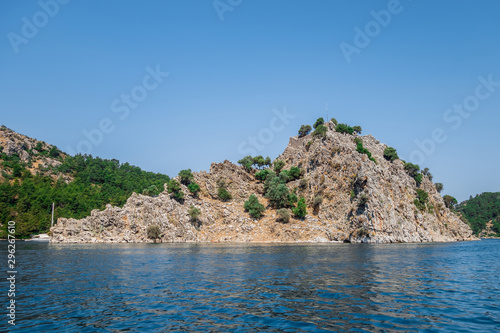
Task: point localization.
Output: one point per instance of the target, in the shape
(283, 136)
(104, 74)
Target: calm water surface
(445, 287)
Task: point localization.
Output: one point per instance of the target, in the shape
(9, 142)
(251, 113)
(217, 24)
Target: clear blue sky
(73, 67)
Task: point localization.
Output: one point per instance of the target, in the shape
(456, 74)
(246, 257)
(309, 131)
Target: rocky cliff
(362, 201)
(39, 157)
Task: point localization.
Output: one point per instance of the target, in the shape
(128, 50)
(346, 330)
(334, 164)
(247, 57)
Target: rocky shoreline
(362, 202)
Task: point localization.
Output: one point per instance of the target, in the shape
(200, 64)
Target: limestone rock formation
(362, 201)
(38, 162)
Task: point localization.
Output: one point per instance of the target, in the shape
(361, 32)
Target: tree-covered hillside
(480, 210)
(29, 185)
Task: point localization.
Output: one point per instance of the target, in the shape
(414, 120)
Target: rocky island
(352, 188)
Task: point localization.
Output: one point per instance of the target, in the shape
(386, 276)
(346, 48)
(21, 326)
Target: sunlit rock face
(362, 201)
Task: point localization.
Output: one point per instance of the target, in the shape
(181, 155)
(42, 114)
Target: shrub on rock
(254, 207)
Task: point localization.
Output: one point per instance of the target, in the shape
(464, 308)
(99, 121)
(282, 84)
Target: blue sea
(433, 287)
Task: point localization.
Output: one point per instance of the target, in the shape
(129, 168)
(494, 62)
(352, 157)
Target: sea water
(445, 287)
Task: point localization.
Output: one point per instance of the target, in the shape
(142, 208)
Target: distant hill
(483, 213)
(34, 174)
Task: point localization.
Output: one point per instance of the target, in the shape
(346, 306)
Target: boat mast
(52, 222)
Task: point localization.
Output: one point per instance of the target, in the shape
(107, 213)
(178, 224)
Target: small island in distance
(331, 184)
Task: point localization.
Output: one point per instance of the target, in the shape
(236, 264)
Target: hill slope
(483, 213)
(35, 174)
(353, 194)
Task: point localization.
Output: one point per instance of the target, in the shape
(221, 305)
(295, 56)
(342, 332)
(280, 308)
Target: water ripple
(451, 287)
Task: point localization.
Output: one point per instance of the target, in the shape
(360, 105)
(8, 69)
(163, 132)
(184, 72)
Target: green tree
(344, 128)
(254, 207)
(186, 176)
(285, 176)
(426, 172)
(301, 209)
(278, 194)
(54, 152)
(320, 130)
(259, 161)
(151, 190)
(411, 169)
(268, 161)
(194, 213)
(278, 165)
(174, 187)
(390, 154)
(262, 175)
(421, 200)
(357, 129)
(418, 179)
(291, 199)
(304, 130)
(295, 172)
(194, 188)
(95, 183)
(17, 170)
(223, 194)
(269, 180)
(334, 121)
(439, 187)
(362, 150)
(39, 146)
(319, 121)
(496, 228)
(480, 210)
(246, 162)
(449, 201)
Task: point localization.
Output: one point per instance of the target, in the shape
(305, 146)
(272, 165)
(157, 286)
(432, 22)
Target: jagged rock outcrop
(362, 201)
(12, 143)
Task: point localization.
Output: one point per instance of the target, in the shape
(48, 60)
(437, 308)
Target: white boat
(39, 238)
